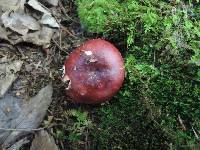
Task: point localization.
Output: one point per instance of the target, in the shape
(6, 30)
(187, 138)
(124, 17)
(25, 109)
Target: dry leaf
(12, 4)
(51, 2)
(19, 144)
(43, 141)
(4, 34)
(49, 20)
(8, 75)
(38, 6)
(19, 22)
(29, 116)
(42, 37)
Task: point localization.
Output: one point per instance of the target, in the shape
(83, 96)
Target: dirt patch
(42, 66)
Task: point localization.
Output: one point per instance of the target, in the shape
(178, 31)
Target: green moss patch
(158, 106)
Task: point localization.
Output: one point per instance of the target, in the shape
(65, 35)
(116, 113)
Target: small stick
(195, 133)
(181, 123)
(58, 45)
(26, 129)
(63, 28)
(21, 129)
(65, 13)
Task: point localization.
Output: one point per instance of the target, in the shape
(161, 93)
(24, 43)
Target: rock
(43, 141)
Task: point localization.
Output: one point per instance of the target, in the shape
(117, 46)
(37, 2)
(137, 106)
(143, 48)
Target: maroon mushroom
(94, 72)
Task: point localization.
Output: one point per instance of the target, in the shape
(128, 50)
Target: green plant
(80, 126)
(162, 61)
(97, 16)
(76, 128)
(157, 24)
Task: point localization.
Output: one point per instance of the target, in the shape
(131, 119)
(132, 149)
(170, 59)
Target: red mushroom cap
(95, 72)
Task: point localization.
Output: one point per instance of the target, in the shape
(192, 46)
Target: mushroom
(94, 72)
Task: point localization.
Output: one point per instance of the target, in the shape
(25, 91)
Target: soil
(42, 66)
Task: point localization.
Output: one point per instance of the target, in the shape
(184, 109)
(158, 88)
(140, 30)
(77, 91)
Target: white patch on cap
(88, 52)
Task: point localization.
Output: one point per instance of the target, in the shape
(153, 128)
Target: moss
(97, 12)
(124, 124)
(157, 107)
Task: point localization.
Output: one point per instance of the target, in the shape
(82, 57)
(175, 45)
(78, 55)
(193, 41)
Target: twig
(29, 130)
(60, 37)
(65, 13)
(181, 123)
(195, 133)
(21, 129)
(154, 57)
(58, 45)
(63, 28)
(62, 145)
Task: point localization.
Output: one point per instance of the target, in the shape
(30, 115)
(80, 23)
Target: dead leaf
(19, 22)
(5, 121)
(12, 5)
(4, 34)
(43, 141)
(8, 75)
(38, 6)
(51, 2)
(19, 144)
(47, 19)
(29, 117)
(42, 37)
